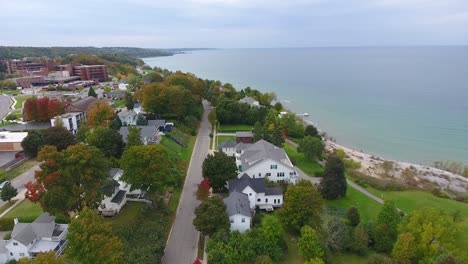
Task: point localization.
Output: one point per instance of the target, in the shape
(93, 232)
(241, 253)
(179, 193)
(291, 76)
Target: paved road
(315, 180)
(4, 105)
(182, 244)
(21, 180)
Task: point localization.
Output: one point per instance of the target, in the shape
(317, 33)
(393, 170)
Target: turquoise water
(408, 104)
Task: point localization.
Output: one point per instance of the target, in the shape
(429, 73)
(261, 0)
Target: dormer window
(273, 167)
(15, 244)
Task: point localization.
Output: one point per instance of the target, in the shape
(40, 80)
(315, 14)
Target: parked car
(3, 184)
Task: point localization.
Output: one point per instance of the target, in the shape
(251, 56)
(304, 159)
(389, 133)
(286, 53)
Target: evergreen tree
(129, 103)
(333, 184)
(353, 216)
(92, 93)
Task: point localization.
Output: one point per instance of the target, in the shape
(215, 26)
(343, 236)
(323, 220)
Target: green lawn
(309, 167)
(20, 100)
(9, 175)
(234, 128)
(368, 208)
(292, 256)
(221, 139)
(411, 200)
(127, 215)
(119, 103)
(25, 209)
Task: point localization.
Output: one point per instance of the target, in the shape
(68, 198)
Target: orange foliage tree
(100, 114)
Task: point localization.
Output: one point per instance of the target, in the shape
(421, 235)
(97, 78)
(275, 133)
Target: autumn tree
(203, 190)
(8, 192)
(309, 243)
(303, 206)
(219, 168)
(129, 103)
(100, 114)
(150, 168)
(29, 109)
(353, 216)
(42, 109)
(333, 184)
(133, 137)
(91, 240)
(312, 147)
(211, 216)
(386, 227)
(434, 231)
(59, 137)
(69, 180)
(404, 250)
(32, 143)
(108, 140)
(44, 258)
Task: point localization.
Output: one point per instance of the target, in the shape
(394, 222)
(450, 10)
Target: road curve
(182, 245)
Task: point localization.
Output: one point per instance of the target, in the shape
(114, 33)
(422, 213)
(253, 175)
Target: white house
(238, 210)
(228, 147)
(128, 117)
(250, 101)
(264, 159)
(29, 239)
(71, 121)
(118, 191)
(259, 195)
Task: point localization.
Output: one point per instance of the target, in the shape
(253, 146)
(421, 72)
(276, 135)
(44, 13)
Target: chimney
(15, 221)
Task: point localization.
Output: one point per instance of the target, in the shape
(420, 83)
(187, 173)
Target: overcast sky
(233, 23)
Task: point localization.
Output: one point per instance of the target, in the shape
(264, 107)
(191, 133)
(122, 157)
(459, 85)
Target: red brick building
(91, 72)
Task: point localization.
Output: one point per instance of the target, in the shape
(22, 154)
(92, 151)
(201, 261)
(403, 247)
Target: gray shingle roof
(146, 132)
(119, 197)
(248, 100)
(244, 134)
(157, 123)
(227, 144)
(43, 226)
(258, 184)
(84, 104)
(242, 146)
(237, 203)
(273, 191)
(113, 172)
(261, 151)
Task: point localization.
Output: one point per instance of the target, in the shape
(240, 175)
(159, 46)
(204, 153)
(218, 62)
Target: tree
(310, 130)
(360, 240)
(141, 120)
(338, 235)
(314, 261)
(81, 133)
(333, 184)
(150, 168)
(219, 168)
(386, 227)
(32, 143)
(7, 84)
(100, 114)
(133, 137)
(434, 231)
(309, 243)
(8, 192)
(59, 137)
(263, 260)
(268, 240)
(353, 216)
(404, 250)
(278, 107)
(312, 147)
(277, 138)
(69, 180)
(379, 259)
(303, 206)
(91, 92)
(44, 258)
(129, 103)
(91, 240)
(203, 190)
(211, 216)
(29, 109)
(291, 126)
(116, 123)
(108, 140)
(258, 131)
(197, 261)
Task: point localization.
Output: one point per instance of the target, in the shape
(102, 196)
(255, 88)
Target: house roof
(157, 123)
(113, 172)
(273, 191)
(227, 144)
(248, 100)
(258, 184)
(145, 132)
(263, 150)
(237, 203)
(84, 104)
(242, 146)
(119, 197)
(244, 134)
(25, 233)
(124, 113)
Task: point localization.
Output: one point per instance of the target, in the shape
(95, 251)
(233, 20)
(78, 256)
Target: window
(274, 201)
(11, 254)
(243, 220)
(259, 200)
(259, 174)
(273, 167)
(21, 254)
(15, 244)
(266, 200)
(250, 194)
(280, 174)
(268, 174)
(279, 201)
(232, 221)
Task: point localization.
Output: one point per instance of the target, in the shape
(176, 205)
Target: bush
(11, 117)
(438, 193)
(6, 224)
(7, 236)
(380, 184)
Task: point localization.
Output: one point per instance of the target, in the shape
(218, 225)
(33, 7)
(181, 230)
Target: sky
(233, 23)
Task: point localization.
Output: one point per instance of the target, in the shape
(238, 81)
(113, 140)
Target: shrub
(11, 117)
(7, 236)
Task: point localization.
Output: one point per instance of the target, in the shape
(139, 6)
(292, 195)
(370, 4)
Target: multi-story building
(91, 72)
(26, 67)
(28, 81)
(70, 121)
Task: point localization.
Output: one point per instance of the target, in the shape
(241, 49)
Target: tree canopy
(106, 139)
(309, 243)
(333, 184)
(100, 114)
(312, 147)
(219, 168)
(211, 216)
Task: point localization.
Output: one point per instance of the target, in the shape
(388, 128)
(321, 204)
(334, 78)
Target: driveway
(21, 180)
(4, 105)
(182, 244)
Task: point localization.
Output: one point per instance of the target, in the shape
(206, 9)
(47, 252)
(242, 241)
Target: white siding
(17, 249)
(262, 169)
(240, 223)
(231, 152)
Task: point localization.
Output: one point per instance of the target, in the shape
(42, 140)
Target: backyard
(234, 128)
(311, 168)
(221, 139)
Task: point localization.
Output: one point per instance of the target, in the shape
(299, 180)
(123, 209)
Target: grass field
(293, 256)
(119, 103)
(368, 208)
(127, 215)
(25, 209)
(309, 167)
(20, 100)
(221, 139)
(9, 175)
(234, 128)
